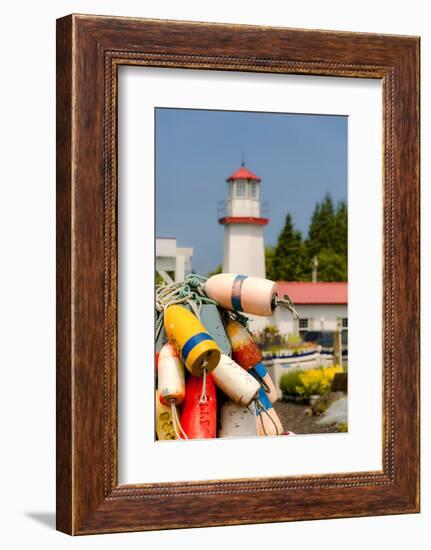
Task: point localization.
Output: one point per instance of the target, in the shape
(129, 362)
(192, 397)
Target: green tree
(287, 262)
(269, 260)
(322, 227)
(332, 266)
(327, 240)
(340, 234)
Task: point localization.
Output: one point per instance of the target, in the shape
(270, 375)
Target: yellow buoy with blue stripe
(195, 346)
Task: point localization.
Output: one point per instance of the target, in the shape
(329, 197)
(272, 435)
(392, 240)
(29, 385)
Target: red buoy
(199, 414)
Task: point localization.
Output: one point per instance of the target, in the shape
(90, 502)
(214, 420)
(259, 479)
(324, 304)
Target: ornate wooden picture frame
(89, 51)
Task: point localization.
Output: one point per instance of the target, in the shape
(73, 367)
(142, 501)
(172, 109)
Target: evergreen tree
(292, 259)
(332, 266)
(340, 235)
(322, 227)
(288, 256)
(327, 240)
(269, 259)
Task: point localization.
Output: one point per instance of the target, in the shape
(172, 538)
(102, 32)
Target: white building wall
(244, 250)
(321, 317)
(166, 247)
(170, 258)
(163, 263)
(243, 207)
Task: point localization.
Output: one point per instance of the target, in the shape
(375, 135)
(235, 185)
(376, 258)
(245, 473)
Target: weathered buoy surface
(234, 381)
(199, 417)
(170, 376)
(195, 346)
(237, 421)
(244, 349)
(211, 320)
(268, 422)
(252, 295)
(263, 374)
(164, 423)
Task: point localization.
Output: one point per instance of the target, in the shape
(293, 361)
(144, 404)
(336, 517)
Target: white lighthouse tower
(244, 250)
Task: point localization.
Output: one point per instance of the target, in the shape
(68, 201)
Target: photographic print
(251, 331)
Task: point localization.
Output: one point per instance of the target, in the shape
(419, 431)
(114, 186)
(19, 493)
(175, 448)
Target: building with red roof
(308, 293)
(321, 306)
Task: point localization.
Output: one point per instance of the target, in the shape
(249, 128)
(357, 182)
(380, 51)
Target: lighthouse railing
(224, 208)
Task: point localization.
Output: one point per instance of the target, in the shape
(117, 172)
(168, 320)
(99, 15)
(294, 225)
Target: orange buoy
(252, 295)
(234, 381)
(170, 377)
(237, 421)
(164, 421)
(244, 349)
(199, 414)
(195, 346)
(268, 422)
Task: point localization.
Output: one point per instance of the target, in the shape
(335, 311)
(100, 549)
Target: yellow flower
(311, 381)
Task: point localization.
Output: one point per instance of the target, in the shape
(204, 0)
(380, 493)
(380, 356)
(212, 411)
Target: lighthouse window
(240, 188)
(253, 190)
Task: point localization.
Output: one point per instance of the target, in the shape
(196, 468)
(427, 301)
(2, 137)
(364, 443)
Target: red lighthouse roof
(243, 173)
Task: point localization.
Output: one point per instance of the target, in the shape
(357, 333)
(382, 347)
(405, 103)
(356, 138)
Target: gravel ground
(295, 419)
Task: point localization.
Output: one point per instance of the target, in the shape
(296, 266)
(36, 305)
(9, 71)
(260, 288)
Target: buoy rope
(235, 316)
(260, 406)
(176, 422)
(203, 398)
(261, 381)
(287, 303)
(190, 292)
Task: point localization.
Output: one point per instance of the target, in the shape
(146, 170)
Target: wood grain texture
(90, 49)
(64, 497)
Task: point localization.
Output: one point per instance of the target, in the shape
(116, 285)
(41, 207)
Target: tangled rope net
(191, 293)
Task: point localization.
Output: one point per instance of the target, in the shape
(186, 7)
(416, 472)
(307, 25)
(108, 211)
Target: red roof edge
(307, 292)
(243, 173)
(228, 220)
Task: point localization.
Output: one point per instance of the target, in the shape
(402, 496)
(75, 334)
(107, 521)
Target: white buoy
(234, 381)
(252, 295)
(170, 375)
(237, 421)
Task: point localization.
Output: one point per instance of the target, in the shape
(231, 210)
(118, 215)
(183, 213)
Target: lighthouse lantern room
(244, 250)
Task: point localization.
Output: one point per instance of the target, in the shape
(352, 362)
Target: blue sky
(298, 157)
